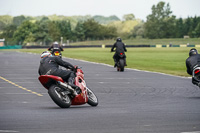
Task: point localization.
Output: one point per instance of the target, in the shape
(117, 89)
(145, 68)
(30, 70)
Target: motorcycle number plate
(57, 54)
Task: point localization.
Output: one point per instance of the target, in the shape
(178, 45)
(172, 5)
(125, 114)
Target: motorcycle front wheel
(92, 98)
(59, 96)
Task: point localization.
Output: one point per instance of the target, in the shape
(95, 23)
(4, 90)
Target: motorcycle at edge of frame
(64, 95)
(196, 74)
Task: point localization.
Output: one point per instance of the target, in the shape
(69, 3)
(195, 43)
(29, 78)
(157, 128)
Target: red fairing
(80, 99)
(45, 79)
(79, 81)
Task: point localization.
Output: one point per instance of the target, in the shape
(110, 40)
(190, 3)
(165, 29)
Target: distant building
(2, 42)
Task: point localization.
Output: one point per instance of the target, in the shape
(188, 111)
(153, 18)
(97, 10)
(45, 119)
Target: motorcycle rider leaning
(120, 48)
(191, 62)
(49, 65)
(55, 47)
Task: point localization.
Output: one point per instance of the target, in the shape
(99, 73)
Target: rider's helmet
(55, 43)
(193, 51)
(119, 39)
(45, 54)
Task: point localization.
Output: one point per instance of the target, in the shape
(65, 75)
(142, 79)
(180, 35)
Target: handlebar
(76, 67)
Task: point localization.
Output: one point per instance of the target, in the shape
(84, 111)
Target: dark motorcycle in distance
(64, 95)
(56, 52)
(120, 62)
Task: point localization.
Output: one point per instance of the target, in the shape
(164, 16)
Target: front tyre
(92, 99)
(59, 97)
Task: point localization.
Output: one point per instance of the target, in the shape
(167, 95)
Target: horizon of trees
(161, 23)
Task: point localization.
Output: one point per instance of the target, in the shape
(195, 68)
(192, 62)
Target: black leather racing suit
(50, 66)
(120, 48)
(191, 62)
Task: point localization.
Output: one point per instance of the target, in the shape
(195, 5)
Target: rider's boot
(71, 83)
(115, 62)
(125, 62)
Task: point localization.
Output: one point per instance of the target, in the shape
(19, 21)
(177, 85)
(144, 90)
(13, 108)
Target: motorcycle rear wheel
(59, 97)
(121, 62)
(92, 98)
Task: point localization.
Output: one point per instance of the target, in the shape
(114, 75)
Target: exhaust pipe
(68, 87)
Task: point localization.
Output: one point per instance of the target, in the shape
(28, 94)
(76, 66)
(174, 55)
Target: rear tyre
(121, 63)
(92, 99)
(59, 97)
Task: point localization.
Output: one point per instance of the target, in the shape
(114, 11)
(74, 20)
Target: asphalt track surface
(129, 102)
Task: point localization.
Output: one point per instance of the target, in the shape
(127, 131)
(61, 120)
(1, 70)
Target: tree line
(45, 31)
(161, 23)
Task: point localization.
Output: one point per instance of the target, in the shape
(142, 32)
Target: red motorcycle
(64, 95)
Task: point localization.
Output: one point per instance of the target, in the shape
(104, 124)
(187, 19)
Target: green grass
(175, 41)
(165, 60)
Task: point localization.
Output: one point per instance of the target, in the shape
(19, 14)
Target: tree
(24, 31)
(129, 17)
(91, 28)
(8, 33)
(187, 26)
(65, 29)
(197, 30)
(41, 34)
(138, 31)
(179, 28)
(160, 24)
(125, 28)
(2, 25)
(54, 31)
(29, 38)
(80, 31)
(191, 24)
(18, 20)
(95, 31)
(5, 20)
(105, 20)
(109, 32)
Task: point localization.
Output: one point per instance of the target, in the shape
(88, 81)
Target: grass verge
(174, 41)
